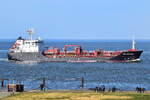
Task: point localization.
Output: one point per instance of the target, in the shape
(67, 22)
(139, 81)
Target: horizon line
(83, 39)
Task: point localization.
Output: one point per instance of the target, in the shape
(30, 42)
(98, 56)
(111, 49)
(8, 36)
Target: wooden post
(2, 83)
(44, 82)
(42, 86)
(82, 82)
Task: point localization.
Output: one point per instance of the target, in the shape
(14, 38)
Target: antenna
(133, 42)
(30, 31)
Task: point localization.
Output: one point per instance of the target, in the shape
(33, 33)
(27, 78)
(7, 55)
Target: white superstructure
(26, 45)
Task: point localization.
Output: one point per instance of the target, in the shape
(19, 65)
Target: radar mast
(30, 31)
(133, 42)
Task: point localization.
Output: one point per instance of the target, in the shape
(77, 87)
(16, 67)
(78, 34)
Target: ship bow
(128, 56)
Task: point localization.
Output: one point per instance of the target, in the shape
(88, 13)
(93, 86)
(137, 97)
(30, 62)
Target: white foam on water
(27, 62)
(3, 59)
(3, 50)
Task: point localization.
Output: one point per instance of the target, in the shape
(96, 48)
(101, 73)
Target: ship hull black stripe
(128, 55)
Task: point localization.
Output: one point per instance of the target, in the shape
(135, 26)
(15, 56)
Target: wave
(3, 50)
(27, 62)
(3, 59)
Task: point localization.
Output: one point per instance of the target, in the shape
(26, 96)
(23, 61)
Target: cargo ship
(29, 50)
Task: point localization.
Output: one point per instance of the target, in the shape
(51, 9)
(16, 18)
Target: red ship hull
(79, 55)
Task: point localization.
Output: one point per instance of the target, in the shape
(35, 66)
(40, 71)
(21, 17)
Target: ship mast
(30, 31)
(133, 43)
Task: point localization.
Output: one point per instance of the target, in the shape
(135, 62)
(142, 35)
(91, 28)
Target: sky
(75, 19)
